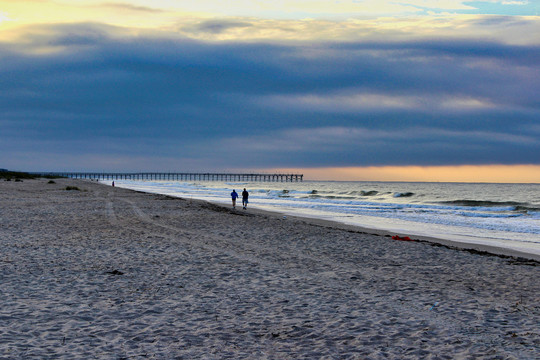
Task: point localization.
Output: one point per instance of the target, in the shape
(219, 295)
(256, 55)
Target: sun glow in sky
(462, 173)
(419, 17)
(415, 90)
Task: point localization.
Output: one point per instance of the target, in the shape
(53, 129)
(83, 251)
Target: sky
(418, 90)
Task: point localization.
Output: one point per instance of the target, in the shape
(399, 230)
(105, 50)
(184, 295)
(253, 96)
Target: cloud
(348, 146)
(367, 101)
(216, 26)
(4, 17)
(130, 7)
(515, 3)
(101, 93)
(323, 9)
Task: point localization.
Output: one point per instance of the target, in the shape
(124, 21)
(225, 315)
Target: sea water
(502, 215)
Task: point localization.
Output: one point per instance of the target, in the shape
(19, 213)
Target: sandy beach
(107, 273)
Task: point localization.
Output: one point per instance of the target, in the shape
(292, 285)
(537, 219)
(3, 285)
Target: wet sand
(110, 273)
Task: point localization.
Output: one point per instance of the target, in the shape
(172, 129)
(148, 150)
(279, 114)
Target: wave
(527, 209)
(406, 194)
(284, 194)
(330, 197)
(361, 193)
(488, 215)
(486, 203)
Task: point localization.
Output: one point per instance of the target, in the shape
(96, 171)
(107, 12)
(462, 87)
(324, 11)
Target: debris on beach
(115, 272)
(404, 238)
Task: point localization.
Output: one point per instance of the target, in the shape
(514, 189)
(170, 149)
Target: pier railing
(179, 176)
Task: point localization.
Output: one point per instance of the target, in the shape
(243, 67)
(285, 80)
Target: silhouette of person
(245, 196)
(234, 196)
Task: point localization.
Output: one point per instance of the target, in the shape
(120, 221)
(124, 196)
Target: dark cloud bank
(80, 97)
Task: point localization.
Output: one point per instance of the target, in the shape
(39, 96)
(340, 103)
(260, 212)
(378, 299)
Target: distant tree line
(18, 175)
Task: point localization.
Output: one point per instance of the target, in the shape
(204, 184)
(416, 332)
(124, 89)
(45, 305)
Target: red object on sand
(405, 238)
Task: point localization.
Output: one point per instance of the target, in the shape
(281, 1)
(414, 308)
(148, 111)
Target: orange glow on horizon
(462, 173)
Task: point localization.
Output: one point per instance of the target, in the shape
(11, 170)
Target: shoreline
(92, 271)
(452, 244)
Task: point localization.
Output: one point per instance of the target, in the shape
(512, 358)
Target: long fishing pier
(179, 176)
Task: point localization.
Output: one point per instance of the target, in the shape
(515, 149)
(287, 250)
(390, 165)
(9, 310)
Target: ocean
(502, 215)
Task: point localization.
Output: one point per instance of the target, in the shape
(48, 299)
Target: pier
(174, 176)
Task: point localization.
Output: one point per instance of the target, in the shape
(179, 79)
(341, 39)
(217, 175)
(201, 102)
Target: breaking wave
(405, 194)
(481, 203)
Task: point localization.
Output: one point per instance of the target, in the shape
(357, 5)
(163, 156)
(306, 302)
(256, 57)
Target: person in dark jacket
(245, 196)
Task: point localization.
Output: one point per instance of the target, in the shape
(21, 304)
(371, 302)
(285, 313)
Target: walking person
(245, 196)
(234, 196)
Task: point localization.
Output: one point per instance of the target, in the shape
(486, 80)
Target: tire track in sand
(303, 265)
(328, 271)
(191, 237)
(109, 208)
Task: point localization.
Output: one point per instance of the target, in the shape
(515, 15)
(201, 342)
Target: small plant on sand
(51, 182)
(72, 188)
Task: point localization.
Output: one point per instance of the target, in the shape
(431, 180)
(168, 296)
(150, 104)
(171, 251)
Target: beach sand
(109, 273)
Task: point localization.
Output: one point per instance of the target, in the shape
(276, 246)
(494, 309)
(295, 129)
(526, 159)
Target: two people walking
(245, 196)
